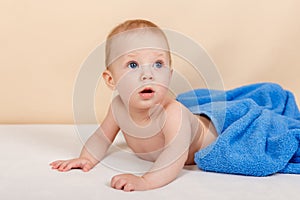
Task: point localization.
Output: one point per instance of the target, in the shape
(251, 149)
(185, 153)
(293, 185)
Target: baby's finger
(68, 167)
(114, 180)
(55, 164)
(63, 166)
(86, 167)
(120, 184)
(128, 187)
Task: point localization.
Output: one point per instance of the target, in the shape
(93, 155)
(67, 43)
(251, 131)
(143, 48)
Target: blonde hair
(131, 25)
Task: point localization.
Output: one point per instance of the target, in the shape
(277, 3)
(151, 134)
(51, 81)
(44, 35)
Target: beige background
(44, 43)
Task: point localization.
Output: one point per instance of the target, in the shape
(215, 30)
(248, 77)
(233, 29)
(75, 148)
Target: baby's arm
(177, 131)
(94, 149)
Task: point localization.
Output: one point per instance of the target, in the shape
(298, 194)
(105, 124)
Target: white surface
(26, 151)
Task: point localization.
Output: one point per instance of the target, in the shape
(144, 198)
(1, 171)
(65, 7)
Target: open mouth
(147, 93)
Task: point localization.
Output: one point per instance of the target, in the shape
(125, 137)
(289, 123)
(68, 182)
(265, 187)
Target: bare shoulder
(177, 116)
(174, 109)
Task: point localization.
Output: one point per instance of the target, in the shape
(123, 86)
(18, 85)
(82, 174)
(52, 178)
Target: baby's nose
(146, 73)
(146, 77)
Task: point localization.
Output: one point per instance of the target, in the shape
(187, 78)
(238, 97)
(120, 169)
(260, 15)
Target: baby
(155, 126)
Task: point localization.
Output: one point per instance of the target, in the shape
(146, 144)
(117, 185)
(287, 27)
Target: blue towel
(258, 129)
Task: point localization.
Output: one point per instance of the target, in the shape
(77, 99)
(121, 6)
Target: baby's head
(138, 58)
(133, 35)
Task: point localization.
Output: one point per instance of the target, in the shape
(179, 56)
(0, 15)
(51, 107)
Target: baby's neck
(145, 116)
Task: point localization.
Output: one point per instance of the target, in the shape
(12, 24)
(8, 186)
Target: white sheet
(26, 151)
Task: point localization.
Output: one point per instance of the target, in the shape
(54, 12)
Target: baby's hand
(77, 163)
(128, 182)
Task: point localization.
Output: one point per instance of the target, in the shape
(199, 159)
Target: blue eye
(158, 64)
(133, 65)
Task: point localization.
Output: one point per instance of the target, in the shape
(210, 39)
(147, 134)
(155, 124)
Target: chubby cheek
(131, 82)
(126, 86)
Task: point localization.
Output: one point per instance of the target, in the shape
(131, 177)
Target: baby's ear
(107, 76)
